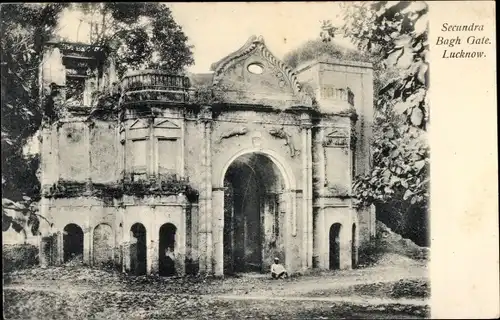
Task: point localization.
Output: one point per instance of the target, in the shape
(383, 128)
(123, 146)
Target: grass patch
(405, 288)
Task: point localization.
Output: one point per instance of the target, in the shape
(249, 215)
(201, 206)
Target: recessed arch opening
(138, 249)
(167, 252)
(73, 243)
(254, 213)
(335, 246)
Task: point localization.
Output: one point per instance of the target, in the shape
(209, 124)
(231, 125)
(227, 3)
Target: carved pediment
(165, 124)
(140, 124)
(253, 75)
(337, 137)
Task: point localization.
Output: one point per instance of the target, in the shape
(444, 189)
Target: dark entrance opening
(354, 248)
(138, 249)
(253, 214)
(166, 250)
(335, 246)
(73, 242)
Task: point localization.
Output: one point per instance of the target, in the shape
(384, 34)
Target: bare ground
(84, 293)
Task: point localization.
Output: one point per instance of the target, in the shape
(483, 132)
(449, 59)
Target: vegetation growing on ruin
(164, 184)
(25, 28)
(139, 35)
(394, 36)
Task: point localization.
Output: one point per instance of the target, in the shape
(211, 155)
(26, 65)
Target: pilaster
(205, 200)
(307, 214)
(218, 230)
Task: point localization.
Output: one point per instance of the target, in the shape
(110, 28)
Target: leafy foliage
(25, 28)
(317, 48)
(397, 33)
(400, 163)
(394, 35)
(16, 257)
(143, 35)
(140, 35)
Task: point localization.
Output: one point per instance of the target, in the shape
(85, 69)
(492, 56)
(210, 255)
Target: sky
(217, 29)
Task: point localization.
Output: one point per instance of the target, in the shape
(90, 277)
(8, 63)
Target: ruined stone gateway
(153, 175)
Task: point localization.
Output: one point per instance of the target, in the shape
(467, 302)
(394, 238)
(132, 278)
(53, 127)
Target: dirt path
(356, 300)
(329, 281)
(334, 283)
(86, 293)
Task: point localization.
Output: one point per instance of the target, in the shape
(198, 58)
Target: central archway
(254, 213)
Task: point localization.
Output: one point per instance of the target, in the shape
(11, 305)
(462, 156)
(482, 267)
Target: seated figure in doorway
(277, 270)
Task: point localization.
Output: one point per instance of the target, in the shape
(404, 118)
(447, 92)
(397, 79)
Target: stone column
(54, 166)
(153, 238)
(46, 157)
(151, 168)
(304, 198)
(202, 241)
(345, 248)
(218, 230)
(307, 222)
(181, 244)
(45, 230)
(59, 247)
(287, 234)
(86, 133)
(205, 223)
(309, 200)
(87, 243)
(126, 250)
(121, 151)
(321, 234)
(44, 251)
(208, 139)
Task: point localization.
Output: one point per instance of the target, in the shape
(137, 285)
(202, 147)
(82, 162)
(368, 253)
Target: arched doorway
(167, 250)
(254, 213)
(102, 244)
(73, 242)
(138, 249)
(354, 248)
(335, 246)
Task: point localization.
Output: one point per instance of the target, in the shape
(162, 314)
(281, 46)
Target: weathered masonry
(158, 173)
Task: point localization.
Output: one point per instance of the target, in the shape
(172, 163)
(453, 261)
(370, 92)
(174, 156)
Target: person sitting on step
(277, 270)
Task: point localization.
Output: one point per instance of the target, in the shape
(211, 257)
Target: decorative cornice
(220, 66)
(288, 72)
(257, 43)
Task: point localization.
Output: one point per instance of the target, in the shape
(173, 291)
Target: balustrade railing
(334, 93)
(154, 80)
(154, 85)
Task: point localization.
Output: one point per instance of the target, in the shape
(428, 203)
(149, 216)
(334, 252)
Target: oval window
(255, 68)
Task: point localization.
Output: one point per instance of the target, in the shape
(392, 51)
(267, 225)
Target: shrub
(370, 252)
(19, 256)
(407, 288)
